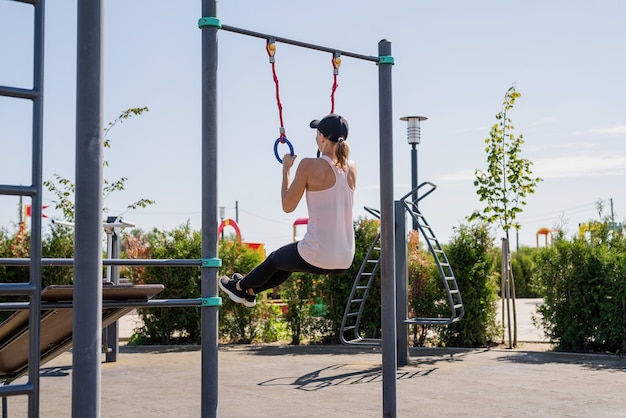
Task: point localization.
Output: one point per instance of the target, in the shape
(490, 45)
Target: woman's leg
(277, 268)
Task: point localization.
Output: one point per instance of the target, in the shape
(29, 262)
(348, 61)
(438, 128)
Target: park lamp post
(222, 216)
(413, 138)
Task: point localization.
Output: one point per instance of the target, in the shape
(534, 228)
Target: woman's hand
(288, 161)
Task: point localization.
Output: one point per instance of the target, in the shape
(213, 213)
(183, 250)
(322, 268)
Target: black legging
(278, 267)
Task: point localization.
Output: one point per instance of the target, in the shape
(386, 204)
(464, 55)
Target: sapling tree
(506, 183)
(508, 180)
(64, 188)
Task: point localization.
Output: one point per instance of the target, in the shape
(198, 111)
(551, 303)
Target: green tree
(508, 179)
(505, 185)
(63, 188)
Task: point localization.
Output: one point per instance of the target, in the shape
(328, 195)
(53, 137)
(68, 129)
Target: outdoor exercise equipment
(547, 233)
(270, 47)
(296, 223)
(88, 262)
(336, 61)
(351, 321)
(255, 246)
(56, 324)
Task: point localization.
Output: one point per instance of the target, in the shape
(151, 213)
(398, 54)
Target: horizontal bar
(18, 93)
(150, 262)
(298, 43)
(153, 303)
(17, 288)
(7, 189)
(106, 262)
(15, 389)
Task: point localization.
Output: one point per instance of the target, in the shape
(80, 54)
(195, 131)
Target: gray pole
(35, 238)
(387, 227)
(111, 334)
(87, 316)
(402, 287)
(209, 317)
(414, 178)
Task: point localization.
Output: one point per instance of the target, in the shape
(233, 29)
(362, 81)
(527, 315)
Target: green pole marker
(212, 301)
(211, 262)
(385, 59)
(209, 21)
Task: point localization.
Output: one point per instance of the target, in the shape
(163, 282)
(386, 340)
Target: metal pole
(107, 262)
(111, 333)
(87, 315)
(402, 273)
(34, 340)
(387, 227)
(209, 315)
(414, 176)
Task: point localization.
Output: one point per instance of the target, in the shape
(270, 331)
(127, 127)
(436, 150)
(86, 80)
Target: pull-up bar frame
(86, 376)
(214, 22)
(210, 25)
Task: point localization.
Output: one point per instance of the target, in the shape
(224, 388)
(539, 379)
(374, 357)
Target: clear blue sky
(454, 62)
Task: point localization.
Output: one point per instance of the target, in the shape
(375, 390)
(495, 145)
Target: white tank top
(329, 239)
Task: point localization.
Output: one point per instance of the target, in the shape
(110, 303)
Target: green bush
(237, 323)
(426, 292)
(172, 325)
(473, 259)
(523, 264)
(305, 313)
(9, 248)
(14, 246)
(58, 244)
(584, 295)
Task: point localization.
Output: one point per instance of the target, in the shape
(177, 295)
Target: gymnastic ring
(286, 141)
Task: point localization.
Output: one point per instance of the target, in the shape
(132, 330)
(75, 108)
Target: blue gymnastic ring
(286, 141)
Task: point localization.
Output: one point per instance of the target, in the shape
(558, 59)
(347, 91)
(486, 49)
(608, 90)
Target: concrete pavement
(340, 381)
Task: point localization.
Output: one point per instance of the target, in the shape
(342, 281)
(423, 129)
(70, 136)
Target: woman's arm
(292, 193)
(352, 175)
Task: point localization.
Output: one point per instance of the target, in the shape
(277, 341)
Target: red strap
(271, 50)
(336, 63)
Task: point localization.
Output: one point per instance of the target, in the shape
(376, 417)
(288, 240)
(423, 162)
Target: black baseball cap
(333, 127)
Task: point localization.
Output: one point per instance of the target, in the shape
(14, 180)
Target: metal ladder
(349, 332)
(32, 289)
(455, 303)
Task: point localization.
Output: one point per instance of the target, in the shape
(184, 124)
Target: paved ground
(339, 381)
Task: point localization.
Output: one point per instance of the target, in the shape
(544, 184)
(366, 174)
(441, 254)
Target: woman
(328, 244)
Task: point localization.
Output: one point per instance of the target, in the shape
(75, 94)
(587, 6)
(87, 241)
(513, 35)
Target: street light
(222, 216)
(413, 138)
